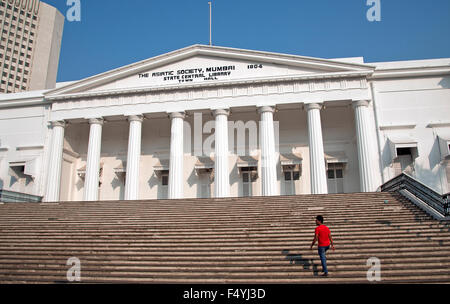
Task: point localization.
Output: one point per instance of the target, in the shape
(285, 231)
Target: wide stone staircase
(236, 240)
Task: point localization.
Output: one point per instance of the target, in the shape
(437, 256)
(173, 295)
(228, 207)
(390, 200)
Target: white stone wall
(23, 138)
(408, 107)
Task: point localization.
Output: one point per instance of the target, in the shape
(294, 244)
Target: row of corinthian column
(221, 167)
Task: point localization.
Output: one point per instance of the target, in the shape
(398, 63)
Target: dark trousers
(323, 257)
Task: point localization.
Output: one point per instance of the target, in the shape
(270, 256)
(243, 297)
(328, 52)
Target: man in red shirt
(323, 236)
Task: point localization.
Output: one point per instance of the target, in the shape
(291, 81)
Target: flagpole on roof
(210, 23)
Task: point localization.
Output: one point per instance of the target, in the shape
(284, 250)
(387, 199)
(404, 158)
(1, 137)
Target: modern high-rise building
(30, 43)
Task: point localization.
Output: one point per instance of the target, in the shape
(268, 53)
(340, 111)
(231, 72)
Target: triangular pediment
(198, 64)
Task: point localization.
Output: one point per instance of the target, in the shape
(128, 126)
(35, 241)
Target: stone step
(430, 234)
(295, 259)
(303, 268)
(229, 275)
(224, 243)
(275, 251)
(415, 279)
(406, 226)
(51, 222)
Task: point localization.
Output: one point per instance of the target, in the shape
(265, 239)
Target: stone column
(268, 154)
(221, 171)
(367, 165)
(133, 158)
(91, 181)
(55, 162)
(176, 172)
(316, 151)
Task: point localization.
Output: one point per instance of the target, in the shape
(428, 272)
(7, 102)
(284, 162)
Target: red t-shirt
(323, 233)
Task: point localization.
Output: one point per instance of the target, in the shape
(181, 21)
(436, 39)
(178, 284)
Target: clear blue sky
(113, 33)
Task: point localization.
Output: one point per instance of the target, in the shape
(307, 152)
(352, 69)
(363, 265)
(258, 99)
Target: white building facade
(207, 121)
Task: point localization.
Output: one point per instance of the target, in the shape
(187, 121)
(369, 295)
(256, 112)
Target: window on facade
(204, 186)
(165, 180)
(335, 175)
(18, 176)
(290, 177)
(249, 176)
(404, 161)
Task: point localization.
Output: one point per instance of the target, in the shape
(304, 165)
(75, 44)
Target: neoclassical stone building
(208, 121)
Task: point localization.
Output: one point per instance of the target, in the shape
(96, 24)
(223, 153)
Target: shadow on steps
(297, 259)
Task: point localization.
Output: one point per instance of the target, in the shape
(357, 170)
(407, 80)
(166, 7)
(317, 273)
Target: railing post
(446, 204)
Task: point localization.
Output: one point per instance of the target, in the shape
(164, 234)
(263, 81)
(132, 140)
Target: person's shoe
(324, 274)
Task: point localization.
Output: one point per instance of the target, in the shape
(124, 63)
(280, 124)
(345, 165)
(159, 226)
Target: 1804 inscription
(204, 74)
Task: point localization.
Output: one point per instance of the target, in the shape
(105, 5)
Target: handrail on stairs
(434, 200)
(7, 196)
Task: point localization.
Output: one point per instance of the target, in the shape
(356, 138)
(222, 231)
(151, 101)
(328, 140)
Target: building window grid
(8, 49)
(12, 70)
(29, 21)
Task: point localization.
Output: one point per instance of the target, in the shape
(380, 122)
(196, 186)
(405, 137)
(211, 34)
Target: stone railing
(16, 197)
(439, 203)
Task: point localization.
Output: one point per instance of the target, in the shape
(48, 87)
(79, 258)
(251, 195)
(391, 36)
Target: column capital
(58, 123)
(217, 112)
(360, 103)
(313, 106)
(96, 121)
(139, 118)
(173, 115)
(265, 109)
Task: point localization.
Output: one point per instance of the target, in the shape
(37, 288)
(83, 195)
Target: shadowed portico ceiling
(279, 67)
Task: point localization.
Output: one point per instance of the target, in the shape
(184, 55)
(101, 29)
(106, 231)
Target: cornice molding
(25, 102)
(410, 72)
(398, 127)
(439, 124)
(217, 85)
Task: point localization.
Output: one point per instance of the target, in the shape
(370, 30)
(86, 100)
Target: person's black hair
(320, 218)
